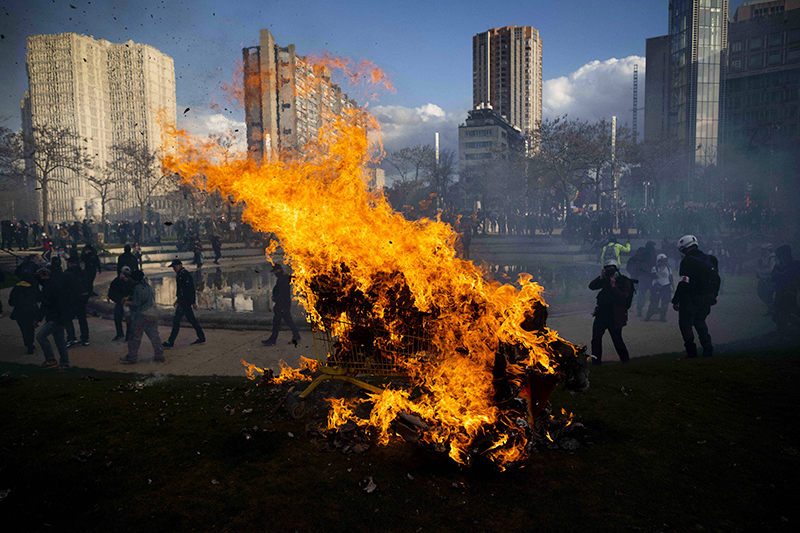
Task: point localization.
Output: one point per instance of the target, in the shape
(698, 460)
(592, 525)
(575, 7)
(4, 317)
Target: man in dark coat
(75, 285)
(24, 298)
(696, 292)
(121, 288)
(185, 305)
(785, 281)
(91, 267)
(282, 305)
(55, 311)
(611, 312)
(216, 245)
(127, 259)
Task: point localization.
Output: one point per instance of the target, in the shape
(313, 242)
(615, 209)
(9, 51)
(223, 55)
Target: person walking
(697, 291)
(118, 290)
(282, 306)
(661, 290)
(142, 305)
(185, 305)
(24, 298)
(55, 311)
(216, 245)
(613, 249)
(91, 267)
(611, 312)
(75, 285)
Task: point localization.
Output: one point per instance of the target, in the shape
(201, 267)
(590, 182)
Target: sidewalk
(736, 324)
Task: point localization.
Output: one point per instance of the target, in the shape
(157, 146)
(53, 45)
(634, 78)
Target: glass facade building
(698, 41)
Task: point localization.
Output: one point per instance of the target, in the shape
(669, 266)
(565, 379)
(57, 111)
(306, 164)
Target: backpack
(709, 280)
(629, 300)
(609, 253)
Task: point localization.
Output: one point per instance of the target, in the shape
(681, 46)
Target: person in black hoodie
(119, 289)
(75, 285)
(24, 298)
(91, 267)
(127, 259)
(282, 306)
(55, 311)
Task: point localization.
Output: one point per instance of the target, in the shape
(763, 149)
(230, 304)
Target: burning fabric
(392, 294)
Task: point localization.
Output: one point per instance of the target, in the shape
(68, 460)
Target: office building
(763, 80)
(106, 93)
(487, 136)
(287, 98)
(507, 74)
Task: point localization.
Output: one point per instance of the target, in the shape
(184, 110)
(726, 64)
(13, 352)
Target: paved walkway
(737, 323)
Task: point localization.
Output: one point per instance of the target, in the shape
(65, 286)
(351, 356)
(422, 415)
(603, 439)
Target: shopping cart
(350, 346)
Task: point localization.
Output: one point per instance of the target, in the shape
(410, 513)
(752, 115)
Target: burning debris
(390, 297)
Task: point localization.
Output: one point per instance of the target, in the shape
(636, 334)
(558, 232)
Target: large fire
(358, 265)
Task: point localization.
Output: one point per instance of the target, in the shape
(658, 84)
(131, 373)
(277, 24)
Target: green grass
(670, 445)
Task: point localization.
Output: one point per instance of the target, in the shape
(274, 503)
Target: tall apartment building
(107, 93)
(287, 98)
(763, 80)
(507, 74)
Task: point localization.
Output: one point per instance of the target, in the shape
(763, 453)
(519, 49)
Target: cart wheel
(298, 410)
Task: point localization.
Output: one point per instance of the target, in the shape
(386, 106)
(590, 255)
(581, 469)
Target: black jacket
(127, 259)
(90, 262)
(24, 298)
(55, 306)
(186, 293)
(119, 289)
(282, 292)
(692, 284)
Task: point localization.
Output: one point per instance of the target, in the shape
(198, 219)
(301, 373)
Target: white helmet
(659, 257)
(686, 241)
(611, 262)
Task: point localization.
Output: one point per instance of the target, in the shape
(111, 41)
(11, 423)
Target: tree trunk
(45, 209)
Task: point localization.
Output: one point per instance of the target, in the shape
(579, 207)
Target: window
(774, 58)
(754, 61)
(775, 39)
(736, 47)
(755, 43)
(793, 55)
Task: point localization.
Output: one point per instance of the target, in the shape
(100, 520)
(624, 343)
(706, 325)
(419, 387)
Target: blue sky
(589, 49)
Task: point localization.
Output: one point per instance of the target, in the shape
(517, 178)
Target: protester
(282, 306)
(24, 298)
(696, 292)
(126, 259)
(91, 267)
(216, 245)
(75, 285)
(613, 249)
(137, 253)
(611, 312)
(55, 310)
(785, 279)
(27, 266)
(185, 305)
(142, 305)
(118, 290)
(661, 290)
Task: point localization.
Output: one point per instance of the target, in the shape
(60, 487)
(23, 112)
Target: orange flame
(332, 228)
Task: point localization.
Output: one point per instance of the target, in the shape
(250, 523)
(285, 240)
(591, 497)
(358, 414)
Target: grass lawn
(671, 445)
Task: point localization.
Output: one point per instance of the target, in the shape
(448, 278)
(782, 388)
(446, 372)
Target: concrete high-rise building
(487, 136)
(287, 98)
(507, 74)
(106, 93)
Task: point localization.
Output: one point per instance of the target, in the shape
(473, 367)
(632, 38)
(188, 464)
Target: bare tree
(140, 168)
(42, 155)
(105, 182)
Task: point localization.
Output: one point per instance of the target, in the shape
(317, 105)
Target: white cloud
(597, 90)
(203, 124)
